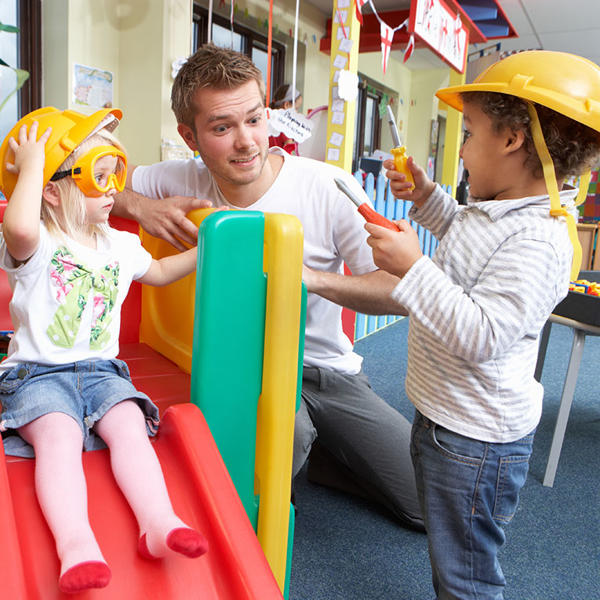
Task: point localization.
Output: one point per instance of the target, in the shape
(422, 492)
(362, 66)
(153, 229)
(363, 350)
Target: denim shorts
(84, 390)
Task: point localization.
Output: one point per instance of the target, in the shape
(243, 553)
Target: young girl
(61, 385)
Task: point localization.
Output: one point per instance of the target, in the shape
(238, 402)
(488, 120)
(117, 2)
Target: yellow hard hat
(69, 129)
(563, 82)
(566, 83)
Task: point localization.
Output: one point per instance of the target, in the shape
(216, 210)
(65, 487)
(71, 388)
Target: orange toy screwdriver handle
(374, 217)
(370, 215)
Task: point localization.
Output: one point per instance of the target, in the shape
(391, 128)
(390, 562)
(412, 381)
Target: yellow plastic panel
(276, 412)
(167, 323)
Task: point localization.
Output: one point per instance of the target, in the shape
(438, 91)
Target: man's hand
(163, 218)
(400, 187)
(166, 219)
(394, 252)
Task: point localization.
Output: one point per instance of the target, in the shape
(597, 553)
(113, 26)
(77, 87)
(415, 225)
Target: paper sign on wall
(346, 45)
(337, 118)
(348, 85)
(340, 61)
(92, 87)
(333, 154)
(337, 105)
(290, 122)
(336, 139)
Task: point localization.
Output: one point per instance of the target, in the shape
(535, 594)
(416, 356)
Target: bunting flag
(409, 48)
(387, 34)
(359, 5)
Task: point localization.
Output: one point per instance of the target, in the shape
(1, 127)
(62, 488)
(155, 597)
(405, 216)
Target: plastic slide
(201, 489)
(202, 492)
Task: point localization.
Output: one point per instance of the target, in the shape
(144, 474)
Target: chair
(581, 329)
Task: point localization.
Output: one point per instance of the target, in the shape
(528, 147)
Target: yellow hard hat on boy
(565, 83)
(69, 129)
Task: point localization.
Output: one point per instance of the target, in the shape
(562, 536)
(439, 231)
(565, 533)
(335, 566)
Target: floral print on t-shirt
(74, 283)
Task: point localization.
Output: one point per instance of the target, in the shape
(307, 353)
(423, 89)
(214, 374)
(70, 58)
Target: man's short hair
(211, 67)
(574, 147)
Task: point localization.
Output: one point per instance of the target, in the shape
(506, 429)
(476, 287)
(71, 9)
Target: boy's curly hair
(574, 147)
(215, 67)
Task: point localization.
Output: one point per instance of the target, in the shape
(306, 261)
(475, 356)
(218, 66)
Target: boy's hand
(29, 152)
(401, 187)
(394, 252)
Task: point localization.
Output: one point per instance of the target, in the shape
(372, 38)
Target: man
(218, 99)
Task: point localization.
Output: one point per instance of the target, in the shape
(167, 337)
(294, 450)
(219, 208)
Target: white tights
(61, 489)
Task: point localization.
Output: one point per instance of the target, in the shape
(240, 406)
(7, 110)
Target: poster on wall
(92, 87)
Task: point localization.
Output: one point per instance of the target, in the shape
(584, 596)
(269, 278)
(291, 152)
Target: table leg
(539, 365)
(565, 406)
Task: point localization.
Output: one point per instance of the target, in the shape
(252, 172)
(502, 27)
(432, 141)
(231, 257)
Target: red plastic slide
(203, 495)
(201, 490)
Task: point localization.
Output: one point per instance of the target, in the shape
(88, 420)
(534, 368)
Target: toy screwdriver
(364, 209)
(399, 151)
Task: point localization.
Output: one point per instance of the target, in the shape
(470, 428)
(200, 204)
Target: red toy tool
(364, 209)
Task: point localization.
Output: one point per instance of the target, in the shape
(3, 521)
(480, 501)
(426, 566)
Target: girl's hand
(400, 187)
(29, 152)
(394, 252)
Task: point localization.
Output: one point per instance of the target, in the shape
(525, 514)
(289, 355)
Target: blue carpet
(346, 548)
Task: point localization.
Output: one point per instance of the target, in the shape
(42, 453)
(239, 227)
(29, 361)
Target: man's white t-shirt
(333, 234)
(66, 302)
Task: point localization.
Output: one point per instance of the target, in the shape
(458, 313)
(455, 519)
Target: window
(367, 128)
(21, 50)
(242, 39)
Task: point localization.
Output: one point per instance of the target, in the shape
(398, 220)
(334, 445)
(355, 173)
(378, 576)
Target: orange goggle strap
(82, 171)
(556, 210)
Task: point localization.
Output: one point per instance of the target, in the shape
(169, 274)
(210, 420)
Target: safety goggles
(95, 181)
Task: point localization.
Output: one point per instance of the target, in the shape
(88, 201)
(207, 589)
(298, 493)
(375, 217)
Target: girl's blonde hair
(70, 218)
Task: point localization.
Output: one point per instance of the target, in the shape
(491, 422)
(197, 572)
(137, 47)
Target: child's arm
(170, 268)
(21, 225)
(401, 187)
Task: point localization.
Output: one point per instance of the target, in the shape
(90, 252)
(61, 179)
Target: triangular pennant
(387, 34)
(409, 48)
(359, 5)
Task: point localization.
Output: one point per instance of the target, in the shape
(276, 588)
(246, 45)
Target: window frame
(368, 88)
(29, 21)
(251, 39)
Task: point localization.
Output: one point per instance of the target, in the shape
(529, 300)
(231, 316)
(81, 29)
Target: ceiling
(567, 26)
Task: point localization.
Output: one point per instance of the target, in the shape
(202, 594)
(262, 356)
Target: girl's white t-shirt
(67, 298)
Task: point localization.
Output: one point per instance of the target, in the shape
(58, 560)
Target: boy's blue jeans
(467, 489)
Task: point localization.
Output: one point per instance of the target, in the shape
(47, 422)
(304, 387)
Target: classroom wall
(423, 109)
(138, 41)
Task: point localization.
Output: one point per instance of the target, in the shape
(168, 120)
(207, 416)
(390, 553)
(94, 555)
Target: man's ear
(51, 194)
(187, 133)
(514, 140)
